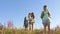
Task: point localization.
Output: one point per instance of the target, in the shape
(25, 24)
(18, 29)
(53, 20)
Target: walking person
(25, 23)
(32, 20)
(29, 20)
(45, 15)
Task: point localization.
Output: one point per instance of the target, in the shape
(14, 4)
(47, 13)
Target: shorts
(46, 21)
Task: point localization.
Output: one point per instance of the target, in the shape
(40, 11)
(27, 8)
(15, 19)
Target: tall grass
(22, 31)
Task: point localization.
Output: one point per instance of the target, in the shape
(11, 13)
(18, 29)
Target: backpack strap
(42, 14)
(49, 14)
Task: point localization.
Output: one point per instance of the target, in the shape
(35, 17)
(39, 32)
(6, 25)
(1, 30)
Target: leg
(32, 27)
(44, 28)
(29, 26)
(49, 28)
(25, 27)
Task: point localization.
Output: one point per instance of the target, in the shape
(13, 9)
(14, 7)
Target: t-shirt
(29, 18)
(45, 17)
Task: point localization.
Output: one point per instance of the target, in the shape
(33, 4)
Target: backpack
(26, 23)
(42, 15)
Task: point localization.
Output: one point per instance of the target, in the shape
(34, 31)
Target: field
(22, 31)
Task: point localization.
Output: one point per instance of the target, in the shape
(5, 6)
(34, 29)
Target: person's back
(25, 23)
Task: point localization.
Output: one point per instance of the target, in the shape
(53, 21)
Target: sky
(16, 10)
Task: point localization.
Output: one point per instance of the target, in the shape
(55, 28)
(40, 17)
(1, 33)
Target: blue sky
(16, 10)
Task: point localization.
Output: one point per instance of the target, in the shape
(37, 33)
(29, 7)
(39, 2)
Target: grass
(22, 31)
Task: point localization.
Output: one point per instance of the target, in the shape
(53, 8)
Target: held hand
(49, 17)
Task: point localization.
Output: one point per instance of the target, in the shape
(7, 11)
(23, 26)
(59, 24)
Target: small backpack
(42, 15)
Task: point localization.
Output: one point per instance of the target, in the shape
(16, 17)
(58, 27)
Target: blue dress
(26, 23)
(45, 17)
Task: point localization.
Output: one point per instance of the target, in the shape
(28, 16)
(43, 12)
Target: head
(29, 13)
(32, 15)
(45, 7)
(25, 19)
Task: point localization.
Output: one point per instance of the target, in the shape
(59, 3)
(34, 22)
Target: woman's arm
(49, 15)
(42, 14)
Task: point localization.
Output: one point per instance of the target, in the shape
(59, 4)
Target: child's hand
(49, 17)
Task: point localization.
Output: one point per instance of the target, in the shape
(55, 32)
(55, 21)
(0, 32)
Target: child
(45, 19)
(32, 20)
(25, 23)
(29, 20)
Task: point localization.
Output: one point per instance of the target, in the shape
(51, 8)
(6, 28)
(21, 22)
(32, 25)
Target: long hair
(32, 15)
(25, 19)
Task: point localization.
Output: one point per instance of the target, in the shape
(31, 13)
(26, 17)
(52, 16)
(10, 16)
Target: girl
(29, 20)
(32, 20)
(45, 19)
(25, 23)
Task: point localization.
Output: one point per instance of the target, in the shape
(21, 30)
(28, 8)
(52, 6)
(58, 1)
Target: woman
(32, 20)
(25, 23)
(29, 20)
(45, 19)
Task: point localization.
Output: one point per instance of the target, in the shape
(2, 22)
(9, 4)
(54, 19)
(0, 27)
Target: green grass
(22, 31)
